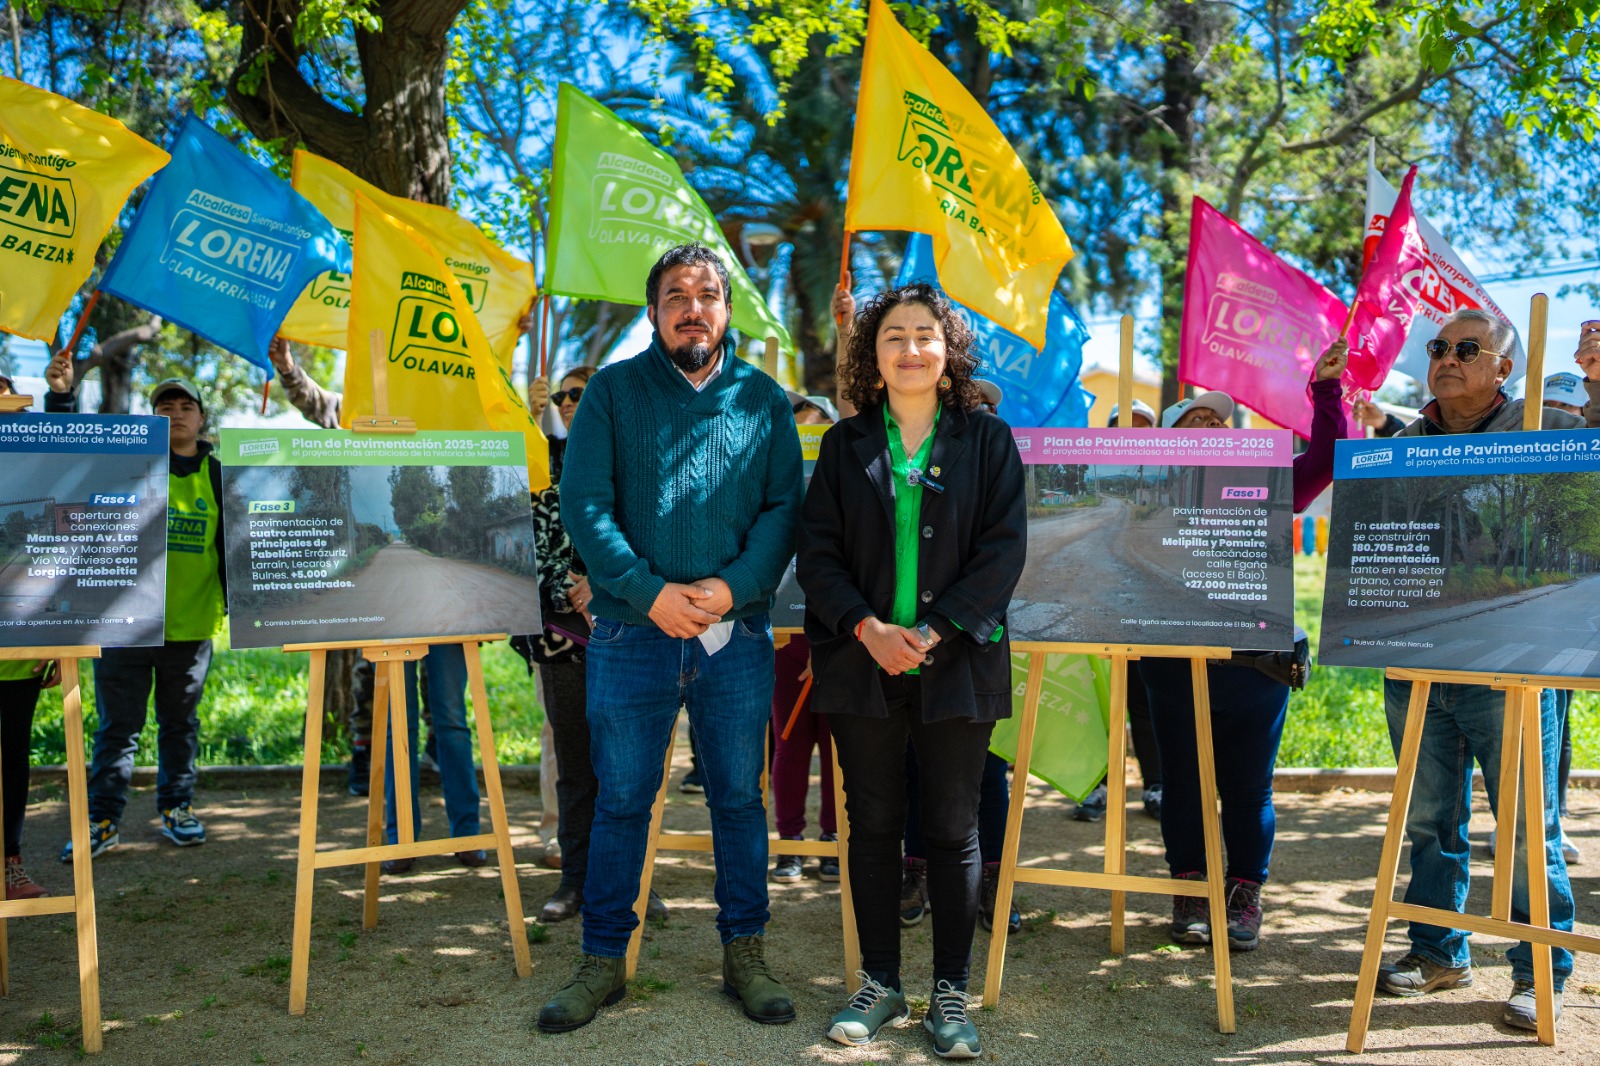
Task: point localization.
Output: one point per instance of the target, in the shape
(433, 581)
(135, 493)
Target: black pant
(1144, 732)
(122, 681)
(994, 803)
(17, 701)
(950, 757)
(566, 697)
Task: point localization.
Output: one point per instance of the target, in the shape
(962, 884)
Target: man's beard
(691, 358)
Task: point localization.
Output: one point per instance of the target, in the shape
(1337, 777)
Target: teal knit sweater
(662, 483)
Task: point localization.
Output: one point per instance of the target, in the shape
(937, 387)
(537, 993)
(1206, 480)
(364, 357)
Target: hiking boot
(1244, 914)
(1191, 915)
(1152, 802)
(102, 838)
(18, 884)
(566, 903)
(655, 909)
(1093, 807)
(746, 977)
(954, 1035)
(598, 983)
(787, 869)
(986, 895)
(914, 891)
(179, 825)
(871, 1008)
(828, 865)
(1412, 975)
(1522, 1008)
(360, 770)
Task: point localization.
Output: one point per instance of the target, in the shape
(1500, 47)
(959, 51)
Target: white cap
(990, 391)
(1139, 408)
(1218, 402)
(1565, 388)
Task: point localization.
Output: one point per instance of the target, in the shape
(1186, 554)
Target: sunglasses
(574, 393)
(1466, 351)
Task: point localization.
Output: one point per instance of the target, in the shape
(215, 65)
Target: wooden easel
(674, 840)
(1115, 878)
(389, 715)
(81, 903)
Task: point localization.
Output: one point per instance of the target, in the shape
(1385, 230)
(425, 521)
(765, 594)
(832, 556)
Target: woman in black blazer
(912, 538)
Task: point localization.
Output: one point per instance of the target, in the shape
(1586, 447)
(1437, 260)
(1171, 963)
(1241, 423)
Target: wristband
(859, 626)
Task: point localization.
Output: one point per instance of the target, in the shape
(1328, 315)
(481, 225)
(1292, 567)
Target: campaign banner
(83, 530)
(789, 604)
(337, 536)
(1159, 536)
(1475, 552)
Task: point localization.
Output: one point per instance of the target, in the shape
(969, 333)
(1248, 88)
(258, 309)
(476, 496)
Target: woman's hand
(1369, 414)
(844, 308)
(1588, 353)
(538, 396)
(578, 593)
(1333, 361)
(895, 648)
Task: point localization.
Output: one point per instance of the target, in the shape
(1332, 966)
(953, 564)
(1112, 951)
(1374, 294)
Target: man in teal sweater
(681, 493)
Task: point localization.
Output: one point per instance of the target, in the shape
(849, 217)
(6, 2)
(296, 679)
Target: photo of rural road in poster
(343, 536)
(1475, 552)
(1172, 537)
(83, 530)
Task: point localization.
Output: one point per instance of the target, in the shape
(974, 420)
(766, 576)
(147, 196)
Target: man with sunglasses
(1468, 364)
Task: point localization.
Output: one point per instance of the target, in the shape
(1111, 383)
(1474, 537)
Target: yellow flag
(498, 285)
(926, 158)
(440, 369)
(65, 172)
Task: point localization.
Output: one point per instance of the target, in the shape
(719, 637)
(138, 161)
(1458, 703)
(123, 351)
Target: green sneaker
(745, 977)
(598, 983)
(870, 1009)
(954, 1036)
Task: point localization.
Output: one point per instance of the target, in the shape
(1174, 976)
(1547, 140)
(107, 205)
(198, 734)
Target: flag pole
(1533, 394)
(844, 271)
(83, 323)
(1350, 316)
(1125, 376)
(544, 338)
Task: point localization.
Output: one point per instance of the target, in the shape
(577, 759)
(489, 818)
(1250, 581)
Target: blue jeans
(447, 697)
(1464, 722)
(638, 677)
(122, 682)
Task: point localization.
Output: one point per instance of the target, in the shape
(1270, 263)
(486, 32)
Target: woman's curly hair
(859, 376)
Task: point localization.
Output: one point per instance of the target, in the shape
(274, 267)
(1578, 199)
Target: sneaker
(1093, 807)
(1244, 914)
(360, 770)
(691, 782)
(786, 869)
(828, 867)
(986, 895)
(870, 1009)
(1412, 975)
(954, 1035)
(1191, 915)
(1522, 1008)
(180, 826)
(598, 983)
(18, 884)
(1569, 849)
(1152, 802)
(914, 891)
(102, 838)
(747, 978)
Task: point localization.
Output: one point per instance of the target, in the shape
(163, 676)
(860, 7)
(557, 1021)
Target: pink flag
(1253, 326)
(1385, 305)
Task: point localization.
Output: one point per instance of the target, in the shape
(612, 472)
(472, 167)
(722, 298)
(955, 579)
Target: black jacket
(974, 540)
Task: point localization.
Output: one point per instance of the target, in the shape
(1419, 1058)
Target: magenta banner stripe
(1166, 447)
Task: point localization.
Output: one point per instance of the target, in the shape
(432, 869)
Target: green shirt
(17, 669)
(194, 587)
(907, 513)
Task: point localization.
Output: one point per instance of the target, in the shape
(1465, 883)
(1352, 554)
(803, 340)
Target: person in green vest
(196, 603)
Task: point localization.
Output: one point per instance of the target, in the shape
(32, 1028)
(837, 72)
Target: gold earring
(944, 382)
(878, 384)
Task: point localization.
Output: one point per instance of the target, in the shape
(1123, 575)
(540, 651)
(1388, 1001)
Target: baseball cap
(6, 379)
(1565, 388)
(990, 391)
(1139, 408)
(822, 403)
(178, 385)
(1220, 402)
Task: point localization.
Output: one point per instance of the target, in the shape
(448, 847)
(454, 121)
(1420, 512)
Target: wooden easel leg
(509, 884)
(306, 872)
(376, 769)
(1008, 855)
(400, 739)
(1213, 835)
(1388, 868)
(647, 874)
(1116, 857)
(82, 866)
(1538, 871)
(1505, 849)
(847, 906)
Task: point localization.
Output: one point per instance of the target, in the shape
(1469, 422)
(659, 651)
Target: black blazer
(974, 539)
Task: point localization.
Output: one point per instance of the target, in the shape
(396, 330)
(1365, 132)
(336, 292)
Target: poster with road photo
(1478, 552)
(1172, 537)
(337, 536)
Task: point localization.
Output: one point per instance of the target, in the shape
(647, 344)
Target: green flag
(616, 203)
(1069, 741)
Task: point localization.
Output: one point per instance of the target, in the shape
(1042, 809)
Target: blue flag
(1041, 388)
(221, 246)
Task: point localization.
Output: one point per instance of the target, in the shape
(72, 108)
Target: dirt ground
(194, 953)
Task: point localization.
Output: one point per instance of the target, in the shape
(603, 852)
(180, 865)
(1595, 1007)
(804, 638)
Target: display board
(789, 604)
(83, 530)
(1472, 552)
(336, 536)
(1155, 536)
